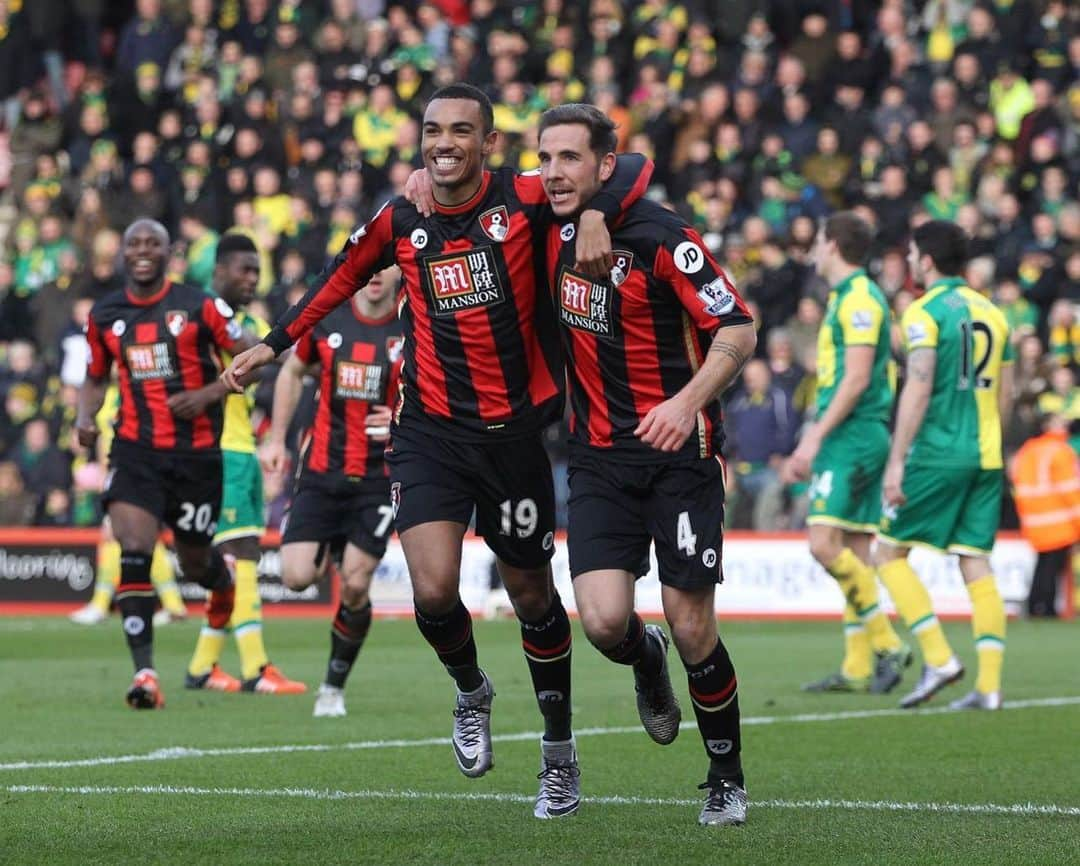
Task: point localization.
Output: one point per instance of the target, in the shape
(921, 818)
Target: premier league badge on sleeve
(495, 223)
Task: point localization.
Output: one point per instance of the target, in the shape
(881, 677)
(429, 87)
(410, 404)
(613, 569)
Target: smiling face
(570, 170)
(454, 145)
(146, 247)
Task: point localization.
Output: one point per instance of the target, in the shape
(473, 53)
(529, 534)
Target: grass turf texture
(61, 690)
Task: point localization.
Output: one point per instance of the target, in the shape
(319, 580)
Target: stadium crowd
(295, 120)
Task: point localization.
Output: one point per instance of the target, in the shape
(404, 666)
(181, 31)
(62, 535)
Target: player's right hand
(418, 191)
(244, 364)
(273, 457)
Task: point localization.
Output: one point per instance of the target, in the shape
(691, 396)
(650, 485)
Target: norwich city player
(944, 477)
(843, 453)
(240, 525)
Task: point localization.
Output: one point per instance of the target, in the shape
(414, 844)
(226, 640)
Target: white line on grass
(1023, 809)
(179, 752)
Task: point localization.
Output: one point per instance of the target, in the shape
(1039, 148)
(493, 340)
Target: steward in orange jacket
(1046, 485)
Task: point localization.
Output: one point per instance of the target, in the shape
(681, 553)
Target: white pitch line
(1021, 809)
(180, 752)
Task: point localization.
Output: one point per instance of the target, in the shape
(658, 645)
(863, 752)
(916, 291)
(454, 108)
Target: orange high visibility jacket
(1046, 480)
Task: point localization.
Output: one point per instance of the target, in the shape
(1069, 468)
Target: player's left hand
(667, 426)
(188, 404)
(892, 485)
(418, 191)
(593, 249)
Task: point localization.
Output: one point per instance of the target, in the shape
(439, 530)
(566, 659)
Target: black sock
(714, 692)
(346, 637)
(546, 643)
(637, 649)
(136, 600)
(451, 636)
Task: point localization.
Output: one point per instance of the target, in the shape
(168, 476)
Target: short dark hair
(234, 242)
(852, 234)
(461, 90)
(602, 138)
(946, 244)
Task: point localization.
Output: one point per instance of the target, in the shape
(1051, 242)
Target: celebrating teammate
(482, 376)
(944, 475)
(240, 525)
(341, 502)
(165, 464)
(649, 349)
(845, 450)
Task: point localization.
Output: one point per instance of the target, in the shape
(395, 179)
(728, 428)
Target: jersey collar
(151, 299)
(946, 283)
(473, 201)
(848, 280)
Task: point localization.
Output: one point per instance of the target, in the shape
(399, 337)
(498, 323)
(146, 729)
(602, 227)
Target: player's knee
(434, 597)
(297, 579)
(355, 585)
(824, 549)
(604, 628)
(885, 553)
(694, 634)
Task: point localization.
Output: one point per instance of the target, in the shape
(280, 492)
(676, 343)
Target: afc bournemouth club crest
(176, 321)
(496, 223)
(394, 348)
(395, 497)
(620, 270)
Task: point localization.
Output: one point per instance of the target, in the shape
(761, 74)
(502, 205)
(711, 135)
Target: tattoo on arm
(920, 365)
(729, 351)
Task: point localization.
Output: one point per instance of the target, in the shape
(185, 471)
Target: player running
(341, 501)
(944, 475)
(165, 464)
(482, 376)
(649, 350)
(241, 522)
(843, 453)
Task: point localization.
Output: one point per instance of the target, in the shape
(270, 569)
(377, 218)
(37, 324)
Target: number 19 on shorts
(521, 520)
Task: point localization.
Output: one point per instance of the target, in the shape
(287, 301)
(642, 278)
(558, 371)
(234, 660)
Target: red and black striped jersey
(481, 350)
(162, 344)
(635, 340)
(360, 361)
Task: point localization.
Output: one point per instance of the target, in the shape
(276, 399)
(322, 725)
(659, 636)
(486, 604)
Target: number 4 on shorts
(685, 539)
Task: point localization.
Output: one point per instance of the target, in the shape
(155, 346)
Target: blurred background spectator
(295, 120)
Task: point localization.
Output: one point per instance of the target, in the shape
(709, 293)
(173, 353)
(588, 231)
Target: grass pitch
(255, 779)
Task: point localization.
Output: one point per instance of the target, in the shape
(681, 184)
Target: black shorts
(335, 515)
(508, 483)
(617, 508)
(181, 489)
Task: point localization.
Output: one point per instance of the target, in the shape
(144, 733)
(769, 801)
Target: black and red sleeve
(100, 359)
(703, 288)
(368, 250)
(305, 348)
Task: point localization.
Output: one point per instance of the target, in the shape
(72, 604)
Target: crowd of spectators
(294, 120)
